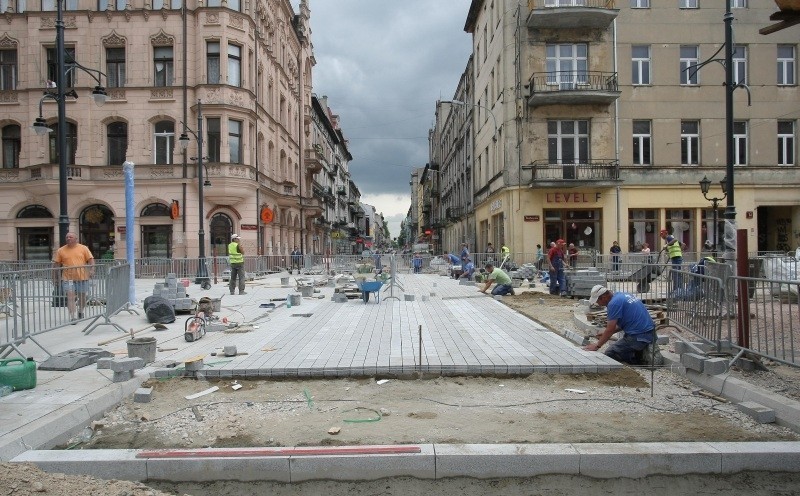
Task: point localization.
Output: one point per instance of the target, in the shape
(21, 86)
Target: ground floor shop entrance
(581, 227)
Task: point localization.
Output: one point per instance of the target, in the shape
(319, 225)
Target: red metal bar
(742, 293)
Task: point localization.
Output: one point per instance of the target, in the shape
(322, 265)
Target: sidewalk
(463, 333)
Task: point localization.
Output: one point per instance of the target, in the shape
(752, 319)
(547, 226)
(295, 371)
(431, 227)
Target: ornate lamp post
(40, 126)
(705, 184)
(202, 269)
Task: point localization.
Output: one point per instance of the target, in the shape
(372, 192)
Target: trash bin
(144, 348)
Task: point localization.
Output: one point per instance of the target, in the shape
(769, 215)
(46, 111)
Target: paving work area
(464, 333)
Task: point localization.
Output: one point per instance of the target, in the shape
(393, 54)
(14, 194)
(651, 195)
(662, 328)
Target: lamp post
(40, 126)
(705, 184)
(202, 270)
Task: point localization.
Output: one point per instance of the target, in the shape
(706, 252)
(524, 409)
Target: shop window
(97, 230)
(680, 223)
(642, 228)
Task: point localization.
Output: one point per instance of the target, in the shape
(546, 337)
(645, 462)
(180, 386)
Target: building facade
(244, 67)
(595, 121)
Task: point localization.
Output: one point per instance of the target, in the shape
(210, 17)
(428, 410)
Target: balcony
(426, 207)
(454, 213)
(573, 88)
(567, 14)
(598, 173)
(341, 191)
(315, 160)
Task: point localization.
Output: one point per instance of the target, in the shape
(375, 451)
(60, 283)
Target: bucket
(295, 299)
(144, 348)
(216, 304)
(307, 291)
(284, 281)
(18, 373)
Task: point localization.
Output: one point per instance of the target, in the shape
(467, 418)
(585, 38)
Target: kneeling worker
(497, 275)
(628, 314)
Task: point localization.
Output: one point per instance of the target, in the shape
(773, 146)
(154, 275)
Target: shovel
(132, 332)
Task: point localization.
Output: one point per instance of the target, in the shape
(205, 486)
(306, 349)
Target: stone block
(745, 364)
(662, 340)
(143, 395)
(576, 337)
(715, 366)
(409, 297)
(693, 361)
(126, 364)
(194, 365)
(104, 363)
(760, 413)
(229, 351)
(122, 376)
(682, 347)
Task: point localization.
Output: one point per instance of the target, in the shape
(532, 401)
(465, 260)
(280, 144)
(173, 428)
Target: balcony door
(567, 65)
(568, 145)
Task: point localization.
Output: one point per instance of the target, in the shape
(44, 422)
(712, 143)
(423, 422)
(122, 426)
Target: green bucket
(18, 373)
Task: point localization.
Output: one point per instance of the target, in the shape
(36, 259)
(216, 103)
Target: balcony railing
(454, 212)
(589, 172)
(562, 14)
(573, 88)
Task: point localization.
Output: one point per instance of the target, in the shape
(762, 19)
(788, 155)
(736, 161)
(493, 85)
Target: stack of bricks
(175, 293)
(123, 368)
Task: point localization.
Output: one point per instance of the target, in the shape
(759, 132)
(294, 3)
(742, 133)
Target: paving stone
(122, 376)
(74, 359)
(143, 395)
(715, 366)
(693, 361)
(126, 364)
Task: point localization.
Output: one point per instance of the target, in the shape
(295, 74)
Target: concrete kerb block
(104, 464)
(104, 363)
(143, 395)
(760, 413)
(122, 376)
(693, 361)
(207, 469)
(615, 460)
(781, 456)
(409, 297)
(682, 347)
(488, 461)
(715, 366)
(420, 465)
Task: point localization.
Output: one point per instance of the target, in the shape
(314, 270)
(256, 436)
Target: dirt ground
(541, 408)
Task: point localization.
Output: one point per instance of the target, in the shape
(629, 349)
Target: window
(102, 5)
(173, 4)
(72, 143)
(235, 5)
(568, 143)
(234, 65)
(52, 66)
(117, 134)
(567, 64)
(214, 3)
(690, 142)
(740, 143)
(640, 4)
(214, 138)
(115, 67)
(8, 69)
(640, 64)
(642, 143)
(11, 146)
(212, 62)
(786, 65)
(690, 57)
(164, 142)
(739, 64)
(235, 141)
(786, 142)
(689, 4)
(50, 5)
(163, 66)
(738, 4)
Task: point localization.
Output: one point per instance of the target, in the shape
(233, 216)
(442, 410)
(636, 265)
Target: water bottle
(289, 301)
(5, 390)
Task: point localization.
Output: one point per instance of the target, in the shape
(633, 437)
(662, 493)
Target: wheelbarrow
(368, 287)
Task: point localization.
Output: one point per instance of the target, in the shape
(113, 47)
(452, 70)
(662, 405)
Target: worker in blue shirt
(628, 314)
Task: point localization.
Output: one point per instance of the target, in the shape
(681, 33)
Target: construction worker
(675, 252)
(236, 254)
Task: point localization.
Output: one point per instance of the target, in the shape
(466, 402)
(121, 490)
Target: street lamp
(705, 184)
(40, 127)
(183, 141)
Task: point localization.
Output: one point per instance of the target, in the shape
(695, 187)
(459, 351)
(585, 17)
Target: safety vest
(674, 249)
(504, 249)
(233, 252)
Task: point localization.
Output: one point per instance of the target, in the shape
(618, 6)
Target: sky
(383, 64)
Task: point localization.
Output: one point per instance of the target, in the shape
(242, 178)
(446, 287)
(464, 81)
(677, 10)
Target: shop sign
(121, 229)
(532, 218)
(572, 197)
(249, 227)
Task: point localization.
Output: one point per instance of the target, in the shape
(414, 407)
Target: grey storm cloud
(383, 65)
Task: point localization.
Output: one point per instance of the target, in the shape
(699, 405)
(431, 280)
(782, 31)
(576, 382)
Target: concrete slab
(232, 468)
(103, 464)
(420, 465)
(635, 460)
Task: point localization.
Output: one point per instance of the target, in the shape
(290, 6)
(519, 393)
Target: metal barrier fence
(35, 301)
